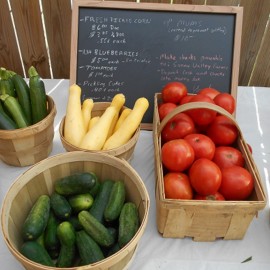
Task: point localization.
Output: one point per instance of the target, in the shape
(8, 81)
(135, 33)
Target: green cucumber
(113, 249)
(54, 253)
(81, 202)
(94, 190)
(60, 206)
(75, 222)
(36, 253)
(23, 94)
(66, 233)
(96, 229)
(40, 240)
(76, 183)
(101, 200)
(6, 83)
(114, 233)
(67, 237)
(116, 201)
(51, 240)
(6, 122)
(12, 105)
(128, 223)
(37, 219)
(66, 256)
(37, 96)
(89, 250)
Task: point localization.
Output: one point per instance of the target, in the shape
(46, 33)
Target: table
(155, 252)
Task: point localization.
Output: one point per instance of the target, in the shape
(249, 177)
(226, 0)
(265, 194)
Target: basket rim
(59, 159)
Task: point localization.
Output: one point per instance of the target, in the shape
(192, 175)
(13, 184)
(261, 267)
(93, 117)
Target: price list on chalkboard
(136, 52)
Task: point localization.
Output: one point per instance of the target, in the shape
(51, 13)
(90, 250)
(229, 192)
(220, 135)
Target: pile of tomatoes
(199, 148)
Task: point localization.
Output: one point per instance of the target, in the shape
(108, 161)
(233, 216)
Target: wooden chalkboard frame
(237, 11)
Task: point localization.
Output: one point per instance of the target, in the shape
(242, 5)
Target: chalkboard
(137, 48)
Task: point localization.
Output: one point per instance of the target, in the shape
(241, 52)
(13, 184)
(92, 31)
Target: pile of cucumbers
(83, 221)
(21, 105)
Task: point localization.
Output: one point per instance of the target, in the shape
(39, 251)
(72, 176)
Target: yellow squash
(92, 121)
(121, 118)
(129, 125)
(118, 102)
(96, 136)
(87, 107)
(74, 128)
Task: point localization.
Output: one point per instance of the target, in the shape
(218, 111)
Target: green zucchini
(6, 84)
(128, 223)
(37, 96)
(80, 202)
(89, 250)
(116, 201)
(23, 94)
(37, 219)
(60, 206)
(51, 240)
(5, 121)
(12, 105)
(98, 207)
(36, 253)
(96, 229)
(76, 183)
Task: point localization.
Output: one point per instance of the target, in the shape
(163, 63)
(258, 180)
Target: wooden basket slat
(205, 220)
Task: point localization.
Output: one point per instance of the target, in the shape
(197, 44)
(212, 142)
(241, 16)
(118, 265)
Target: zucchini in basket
(37, 96)
(14, 108)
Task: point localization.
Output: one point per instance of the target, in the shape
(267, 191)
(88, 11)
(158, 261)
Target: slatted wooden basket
(26, 146)
(40, 178)
(204, 220)
(125, 151)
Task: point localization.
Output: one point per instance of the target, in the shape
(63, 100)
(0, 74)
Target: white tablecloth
(155, 252)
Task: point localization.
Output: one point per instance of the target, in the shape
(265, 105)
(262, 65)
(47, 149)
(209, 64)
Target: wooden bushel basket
(40, 178)
(26, 146)
(125, 151)
(204, 220)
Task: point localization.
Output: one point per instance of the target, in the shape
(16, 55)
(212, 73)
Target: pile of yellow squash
(112, 129)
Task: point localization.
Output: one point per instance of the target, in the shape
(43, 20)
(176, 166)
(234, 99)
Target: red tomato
(177, 155)
(210, 92)
(178, 127)
(202, 116)
(203, 146)
(237, 183)
(173, 92)
(165, 108)
(227, 156)
(250, 148)
(177, 186)
(215, 197)
(186, 99)
(205, 176)
(226, 101)
(222, 131)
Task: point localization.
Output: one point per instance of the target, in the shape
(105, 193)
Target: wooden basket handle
(195, 105)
